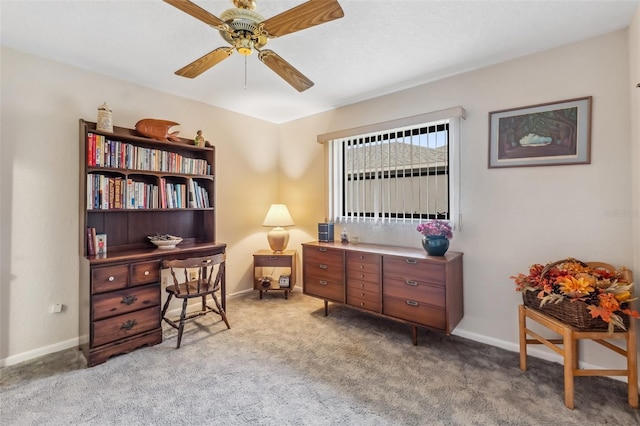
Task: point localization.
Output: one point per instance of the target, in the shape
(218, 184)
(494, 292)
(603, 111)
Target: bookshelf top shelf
(122, 133)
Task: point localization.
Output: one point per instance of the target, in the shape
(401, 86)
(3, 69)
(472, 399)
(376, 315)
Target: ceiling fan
(245, 30)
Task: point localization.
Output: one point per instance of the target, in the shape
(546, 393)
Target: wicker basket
(574, 313)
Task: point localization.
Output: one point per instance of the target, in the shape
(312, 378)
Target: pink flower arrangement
(435, 228)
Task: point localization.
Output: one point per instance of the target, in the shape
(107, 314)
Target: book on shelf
(91, 247)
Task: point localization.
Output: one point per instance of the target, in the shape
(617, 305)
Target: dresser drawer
(116, 328)
(414, 311)
(324, 271)
(369, 268)
(415, 290)
(357, 276)
(406, 268)
(357, 284)
(324, 255)
(109, 278)
(145, 272)
(324, 289)
(361, 257)
(363, 294)
(371, 305)
(123, 301)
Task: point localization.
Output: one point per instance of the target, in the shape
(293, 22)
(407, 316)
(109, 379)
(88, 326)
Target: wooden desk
(120, 296)
(569, 350)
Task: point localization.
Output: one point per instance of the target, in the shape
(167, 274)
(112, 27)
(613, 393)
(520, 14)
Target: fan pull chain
(245, 73)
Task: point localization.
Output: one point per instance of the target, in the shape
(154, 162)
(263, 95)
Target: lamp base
(278, 239)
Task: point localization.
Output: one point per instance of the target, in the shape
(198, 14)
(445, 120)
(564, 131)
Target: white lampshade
(278, 216)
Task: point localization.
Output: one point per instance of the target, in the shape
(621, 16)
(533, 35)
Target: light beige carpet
(284, 363)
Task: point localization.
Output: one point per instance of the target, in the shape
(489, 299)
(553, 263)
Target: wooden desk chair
(198, 273)
(569, 351)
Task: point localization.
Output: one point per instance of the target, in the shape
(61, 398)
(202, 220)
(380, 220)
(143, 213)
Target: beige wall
(518, 216)
(41, 104)
(511, 217)
(634, 80)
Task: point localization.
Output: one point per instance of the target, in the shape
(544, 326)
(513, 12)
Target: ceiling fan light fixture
(244, 46)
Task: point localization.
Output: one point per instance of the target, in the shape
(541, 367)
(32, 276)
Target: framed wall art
(551, 134)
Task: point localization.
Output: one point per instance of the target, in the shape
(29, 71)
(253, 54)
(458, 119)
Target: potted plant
(436, 234)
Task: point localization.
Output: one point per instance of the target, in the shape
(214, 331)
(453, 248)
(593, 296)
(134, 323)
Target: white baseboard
(531, 350)
(35, 353)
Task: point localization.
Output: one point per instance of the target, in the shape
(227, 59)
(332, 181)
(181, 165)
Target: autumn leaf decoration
(607, 294)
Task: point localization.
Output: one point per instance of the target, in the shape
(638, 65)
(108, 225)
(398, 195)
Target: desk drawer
(116, 328)
(123, 301)
(414, 311)
(109, 278)
(145, 272)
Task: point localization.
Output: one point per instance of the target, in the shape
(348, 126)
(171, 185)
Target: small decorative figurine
(105, 121)
(199, 140)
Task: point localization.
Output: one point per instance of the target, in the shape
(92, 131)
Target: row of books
(180, 195)
(103, 152)
(96, 243)
(107, 192)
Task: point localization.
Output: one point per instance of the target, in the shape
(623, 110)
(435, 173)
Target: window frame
(334, 205)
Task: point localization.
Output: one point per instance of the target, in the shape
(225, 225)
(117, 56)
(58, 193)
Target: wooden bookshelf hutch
(120, 291)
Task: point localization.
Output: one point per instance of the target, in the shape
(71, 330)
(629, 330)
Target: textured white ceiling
(380, 46)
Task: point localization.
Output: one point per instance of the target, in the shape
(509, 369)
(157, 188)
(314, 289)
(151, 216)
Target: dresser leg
(326, 308)
(414, 335)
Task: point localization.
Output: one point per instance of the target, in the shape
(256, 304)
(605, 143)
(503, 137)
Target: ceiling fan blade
(309, 14)
(199, 13)
(285, 70)
(202, 64)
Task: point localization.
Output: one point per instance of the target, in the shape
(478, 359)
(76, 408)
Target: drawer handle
(146, 273)
(361, 303)
(412, 303)
(128, 300)
(323, 266)
(273, 257)
(361, 266)
(323, 282)
(361, 294)
(411, 261)
(322, 249)
(112, 278)
(411, 282)
(361, 276)
(361, 257)
(128, 325)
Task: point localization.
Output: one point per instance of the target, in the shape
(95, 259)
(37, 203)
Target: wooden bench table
(569, 350)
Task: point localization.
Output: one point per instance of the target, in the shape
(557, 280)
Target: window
(395, 174)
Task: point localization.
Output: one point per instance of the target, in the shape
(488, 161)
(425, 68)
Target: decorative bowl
(165, 241)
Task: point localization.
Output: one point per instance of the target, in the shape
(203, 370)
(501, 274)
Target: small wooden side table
(569, 337)
(266, 263)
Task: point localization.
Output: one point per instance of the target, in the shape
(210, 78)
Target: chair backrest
(204, 268)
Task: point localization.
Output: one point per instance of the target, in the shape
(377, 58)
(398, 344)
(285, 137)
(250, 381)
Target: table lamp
(278, 217)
